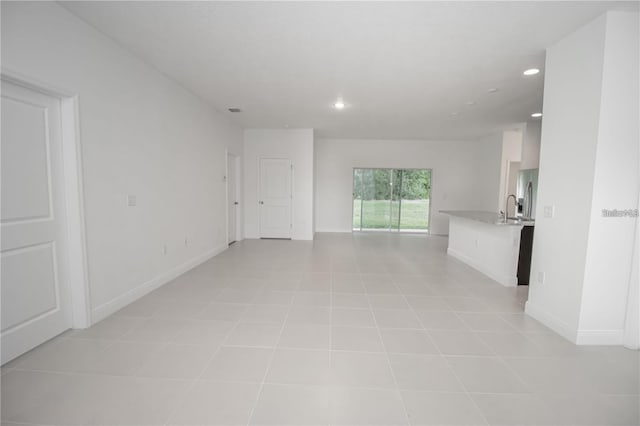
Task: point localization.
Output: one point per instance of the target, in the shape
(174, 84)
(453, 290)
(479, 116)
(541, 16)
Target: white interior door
(232, 199)
(35, 305)
(275, 198)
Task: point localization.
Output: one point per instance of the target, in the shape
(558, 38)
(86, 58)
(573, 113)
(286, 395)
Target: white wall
(531, 146)
(567, 154)
(588, 161)
(465, 175)
(610, 246)
(511, 151)
(141, 134)
(295, 144)
(631, 337)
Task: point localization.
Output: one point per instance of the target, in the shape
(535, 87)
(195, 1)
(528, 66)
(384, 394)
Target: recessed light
(531, 71)
(471, 103)
(455, 113)
(493, 90)
(536, 115)
(339, 104)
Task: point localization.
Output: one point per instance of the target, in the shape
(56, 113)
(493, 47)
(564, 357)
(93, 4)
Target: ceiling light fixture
(531, 71)
(339, 104)
(493, 90)
(536, 115)
(471, 103)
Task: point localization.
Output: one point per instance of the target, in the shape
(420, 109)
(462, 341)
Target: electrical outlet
(132, 200)
(541, 277)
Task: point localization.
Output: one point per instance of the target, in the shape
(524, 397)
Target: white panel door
(34, 300)
(275, 198)
(232, 202)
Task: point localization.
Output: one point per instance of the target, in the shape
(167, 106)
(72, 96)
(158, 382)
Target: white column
(588, 162)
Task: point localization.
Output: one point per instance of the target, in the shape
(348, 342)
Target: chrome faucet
(506, 206)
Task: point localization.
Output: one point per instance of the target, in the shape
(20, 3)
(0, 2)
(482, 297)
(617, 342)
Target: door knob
(261, 202)
(236, 203)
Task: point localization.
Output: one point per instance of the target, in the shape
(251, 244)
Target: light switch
(132, 200)
(549, 211)
(541, 277)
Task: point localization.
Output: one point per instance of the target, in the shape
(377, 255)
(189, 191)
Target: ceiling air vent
(235, 110)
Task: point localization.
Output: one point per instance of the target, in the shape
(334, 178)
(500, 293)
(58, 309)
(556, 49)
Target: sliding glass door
(391, 199)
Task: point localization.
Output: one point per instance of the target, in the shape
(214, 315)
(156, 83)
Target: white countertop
(491, 218)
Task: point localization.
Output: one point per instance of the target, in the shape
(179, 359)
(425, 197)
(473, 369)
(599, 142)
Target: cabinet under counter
(489, 244)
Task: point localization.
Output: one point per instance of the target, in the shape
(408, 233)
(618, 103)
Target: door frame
(72, 188)
(236, 177)
(429, 169)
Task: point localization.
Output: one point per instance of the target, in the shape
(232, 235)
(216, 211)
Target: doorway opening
(396, 200)
(232, 198)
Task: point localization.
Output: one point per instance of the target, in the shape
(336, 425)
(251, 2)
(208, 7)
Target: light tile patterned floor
(346, 330)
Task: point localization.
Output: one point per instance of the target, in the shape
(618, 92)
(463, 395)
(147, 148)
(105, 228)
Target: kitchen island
(486, 242)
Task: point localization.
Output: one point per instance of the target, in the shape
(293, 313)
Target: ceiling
(405, 70)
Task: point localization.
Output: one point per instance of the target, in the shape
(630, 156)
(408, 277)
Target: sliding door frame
(389, 229)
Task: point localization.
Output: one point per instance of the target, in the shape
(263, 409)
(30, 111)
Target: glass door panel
(357, 199)
(396, 192)
(391, 199)
(415, 196)
(376, 200)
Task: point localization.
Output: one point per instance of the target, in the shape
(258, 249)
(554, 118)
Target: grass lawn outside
(377, 214)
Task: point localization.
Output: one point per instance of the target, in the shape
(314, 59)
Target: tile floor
(370, 329)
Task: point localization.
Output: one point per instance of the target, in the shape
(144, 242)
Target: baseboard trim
(106, 309)
(579, 337)
(333, 231)
(600, 337)
(551, 321)
(505, 280)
